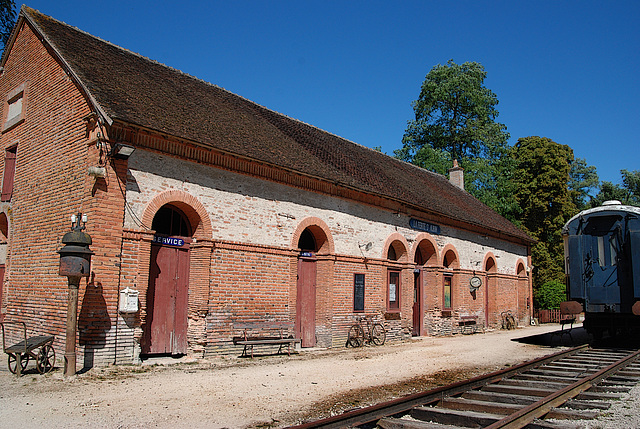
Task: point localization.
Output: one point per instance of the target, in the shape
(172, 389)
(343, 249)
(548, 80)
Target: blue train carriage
(602, 264)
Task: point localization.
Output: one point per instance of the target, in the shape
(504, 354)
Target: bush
(549, 295)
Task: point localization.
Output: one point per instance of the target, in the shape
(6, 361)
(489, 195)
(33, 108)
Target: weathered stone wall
(251, 218)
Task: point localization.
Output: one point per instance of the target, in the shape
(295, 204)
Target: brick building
(227, 215)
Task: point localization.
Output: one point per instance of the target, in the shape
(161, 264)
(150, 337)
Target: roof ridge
(233, 124)
(183, 73)
(190, 76)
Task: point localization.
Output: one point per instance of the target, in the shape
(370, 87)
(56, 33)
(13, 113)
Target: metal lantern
(75, 256)
(75, 263)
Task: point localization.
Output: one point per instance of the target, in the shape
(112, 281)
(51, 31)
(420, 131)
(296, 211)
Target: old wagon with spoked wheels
(38, 348)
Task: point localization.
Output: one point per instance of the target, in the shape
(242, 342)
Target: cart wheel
(46, 359)
(378, 334)
(355, 337)
(13, 360)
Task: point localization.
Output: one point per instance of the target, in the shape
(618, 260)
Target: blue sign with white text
(169, 241)
(424, 226)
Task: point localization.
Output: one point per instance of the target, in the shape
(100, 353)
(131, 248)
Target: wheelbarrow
(39, 348)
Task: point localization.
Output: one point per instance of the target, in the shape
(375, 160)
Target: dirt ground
(269, 391)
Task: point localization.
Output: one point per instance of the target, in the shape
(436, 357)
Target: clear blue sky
(567, 70)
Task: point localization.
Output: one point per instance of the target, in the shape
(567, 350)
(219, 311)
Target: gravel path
(273, 391)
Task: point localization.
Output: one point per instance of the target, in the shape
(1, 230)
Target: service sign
(424, 226)
(169, 241)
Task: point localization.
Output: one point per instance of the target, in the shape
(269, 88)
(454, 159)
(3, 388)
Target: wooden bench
(468, 324)
(265, 337)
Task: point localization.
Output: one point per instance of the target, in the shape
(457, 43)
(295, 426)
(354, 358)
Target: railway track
(562, 387)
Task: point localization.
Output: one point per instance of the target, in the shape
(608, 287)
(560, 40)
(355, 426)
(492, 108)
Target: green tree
(627, 193)
(455, 118)
(631, 182)
(541, 179)
(455, 112)
(549, 295)
(583, 180)
(7, 21)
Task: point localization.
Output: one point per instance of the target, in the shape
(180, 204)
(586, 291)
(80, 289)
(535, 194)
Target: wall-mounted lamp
(97, 172)
(366, 247)
(121, 151)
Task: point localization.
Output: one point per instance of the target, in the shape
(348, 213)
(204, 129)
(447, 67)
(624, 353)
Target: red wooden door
(486, 303)
(417, 303)
(1, 284)
(306, 303)
(166, 330)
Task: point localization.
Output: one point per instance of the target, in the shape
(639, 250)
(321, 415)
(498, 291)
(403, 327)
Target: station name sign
(424, 226)
(168, 241)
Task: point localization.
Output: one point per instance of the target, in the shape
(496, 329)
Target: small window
(391, 254)
(607, 254)
(447, 293)
(613, 250)
(9, 173)
(307, 241)
(358, 293)
(171, 221)
(15, 107)
(393, 291)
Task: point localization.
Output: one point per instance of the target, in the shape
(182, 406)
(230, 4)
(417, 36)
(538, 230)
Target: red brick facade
(237, 279)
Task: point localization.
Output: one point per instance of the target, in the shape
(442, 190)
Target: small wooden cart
(20, 353)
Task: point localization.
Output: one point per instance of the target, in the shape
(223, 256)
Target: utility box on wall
(128, 301)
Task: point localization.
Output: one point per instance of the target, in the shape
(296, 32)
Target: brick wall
(55, 147)
(265, 215)
(243, 260)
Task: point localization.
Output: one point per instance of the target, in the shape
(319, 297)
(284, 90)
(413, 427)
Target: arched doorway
(396, 252)
(305, 324)
(425, 252)
(489, 292)
(450, 293)
(167, 293)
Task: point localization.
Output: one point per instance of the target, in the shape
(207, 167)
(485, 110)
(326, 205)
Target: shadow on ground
(560, 338)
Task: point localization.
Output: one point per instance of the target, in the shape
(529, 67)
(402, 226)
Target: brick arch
(320, 231)
(399, 243)
(190, 206)
(449, 250)
(490, 264)
(521, 268)
(426, 243)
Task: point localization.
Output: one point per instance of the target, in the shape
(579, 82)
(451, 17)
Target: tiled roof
(131, 89)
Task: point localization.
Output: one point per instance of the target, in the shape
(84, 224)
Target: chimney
(456, 175)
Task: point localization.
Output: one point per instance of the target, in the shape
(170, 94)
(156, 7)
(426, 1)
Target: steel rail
(538, 409)
(374, 413)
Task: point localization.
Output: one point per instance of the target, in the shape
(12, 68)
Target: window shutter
(9, 173)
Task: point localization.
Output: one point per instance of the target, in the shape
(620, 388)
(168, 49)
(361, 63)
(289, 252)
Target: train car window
(600, 225)
(613, 248)
(607, 250)
(601, 256)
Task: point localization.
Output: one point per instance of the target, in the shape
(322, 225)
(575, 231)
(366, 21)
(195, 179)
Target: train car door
(600, 244)
(602, 275)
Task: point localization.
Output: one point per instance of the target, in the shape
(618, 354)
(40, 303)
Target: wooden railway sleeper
(563, 399)
(532, 396)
